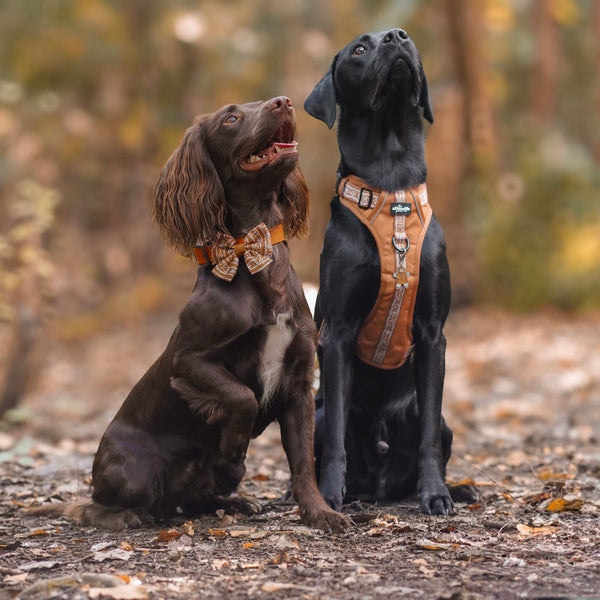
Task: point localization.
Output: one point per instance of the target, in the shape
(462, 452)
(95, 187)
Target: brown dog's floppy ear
(424, 101)
(321, 103)
(293, 201)
(189, 201)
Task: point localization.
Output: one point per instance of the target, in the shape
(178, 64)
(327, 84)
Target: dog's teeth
(253, 158)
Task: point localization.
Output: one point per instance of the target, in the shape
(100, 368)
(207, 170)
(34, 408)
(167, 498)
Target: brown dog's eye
(360, 49)
(231, 119)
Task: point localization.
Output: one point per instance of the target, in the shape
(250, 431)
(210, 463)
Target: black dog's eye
(360, 49)
(231, 119)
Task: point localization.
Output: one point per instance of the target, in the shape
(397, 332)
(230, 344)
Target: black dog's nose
(395, 34)
(279, 102)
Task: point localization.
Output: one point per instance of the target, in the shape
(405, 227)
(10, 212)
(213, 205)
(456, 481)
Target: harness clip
(402, 249)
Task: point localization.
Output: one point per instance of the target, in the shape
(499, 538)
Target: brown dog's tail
(88, 513)
(52, 509)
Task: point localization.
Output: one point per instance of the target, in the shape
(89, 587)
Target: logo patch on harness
(400, 209)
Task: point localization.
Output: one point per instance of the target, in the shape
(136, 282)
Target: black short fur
(380, 434)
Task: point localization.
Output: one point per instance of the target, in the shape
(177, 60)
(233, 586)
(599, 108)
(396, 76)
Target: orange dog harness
(398, 222)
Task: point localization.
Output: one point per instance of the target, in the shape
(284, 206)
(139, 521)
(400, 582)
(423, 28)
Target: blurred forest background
(95, 95)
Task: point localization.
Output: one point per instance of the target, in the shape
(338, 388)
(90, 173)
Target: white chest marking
(279, 337)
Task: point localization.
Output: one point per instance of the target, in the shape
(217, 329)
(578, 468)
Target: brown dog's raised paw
(327, 520)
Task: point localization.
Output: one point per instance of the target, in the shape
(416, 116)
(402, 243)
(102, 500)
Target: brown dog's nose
(279, 102)
(395, 35)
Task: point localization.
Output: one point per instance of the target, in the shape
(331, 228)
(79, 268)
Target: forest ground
(522, 396)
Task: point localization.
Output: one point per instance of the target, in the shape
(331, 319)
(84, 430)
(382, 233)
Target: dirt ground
(522, 396)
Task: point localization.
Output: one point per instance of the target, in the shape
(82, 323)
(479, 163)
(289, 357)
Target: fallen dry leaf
(119, 592)
(526, 531)
(431, 545)
(280, 558)
(275, 586)
(126, 546)
(37, 532)
(188, 528)
(14, 579)
(217, 532)
(546, 474)
(167, 536)
(235, 533)
(565, 504)
(536, 498)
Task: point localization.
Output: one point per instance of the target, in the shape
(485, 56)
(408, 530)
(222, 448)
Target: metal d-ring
(404, 249)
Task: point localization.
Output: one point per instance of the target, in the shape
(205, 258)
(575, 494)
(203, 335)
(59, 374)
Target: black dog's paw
(436, 501)
(243, 505)
(333, 494)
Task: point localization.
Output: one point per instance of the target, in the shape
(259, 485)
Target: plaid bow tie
(256, 248)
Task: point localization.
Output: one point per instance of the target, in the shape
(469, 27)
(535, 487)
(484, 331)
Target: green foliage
(540, 235)
(30, 215)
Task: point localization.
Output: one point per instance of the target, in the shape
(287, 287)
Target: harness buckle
(365, 199)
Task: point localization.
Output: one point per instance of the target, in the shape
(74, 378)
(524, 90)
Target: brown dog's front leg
(212, 392)
(297, 424)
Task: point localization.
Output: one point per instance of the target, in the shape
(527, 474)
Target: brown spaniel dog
(242, 354)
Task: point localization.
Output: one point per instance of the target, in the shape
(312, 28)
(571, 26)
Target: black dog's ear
(424, 101)
(322, 103)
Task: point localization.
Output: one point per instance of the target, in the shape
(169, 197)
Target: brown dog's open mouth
(281, 144)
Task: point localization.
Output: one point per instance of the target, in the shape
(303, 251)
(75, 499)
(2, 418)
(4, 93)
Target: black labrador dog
(242, 354)
(380, 433)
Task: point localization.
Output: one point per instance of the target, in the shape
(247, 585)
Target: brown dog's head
(374, 70)
(240, 154)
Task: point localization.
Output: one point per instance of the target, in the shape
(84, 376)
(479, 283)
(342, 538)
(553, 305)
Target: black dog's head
(376, 70)
(240, 153)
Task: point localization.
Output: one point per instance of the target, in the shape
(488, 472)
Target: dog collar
(255, 246)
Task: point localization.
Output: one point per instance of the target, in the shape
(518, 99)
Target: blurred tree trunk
(470, 138)
(546, 69)
(595, 25)
(467, 31)
(20, 367)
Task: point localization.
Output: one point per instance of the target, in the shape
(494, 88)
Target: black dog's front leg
(430, 370)
(337, 375)
(217, 395)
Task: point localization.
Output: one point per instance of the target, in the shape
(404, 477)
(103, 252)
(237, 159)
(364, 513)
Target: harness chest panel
(398, 222)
